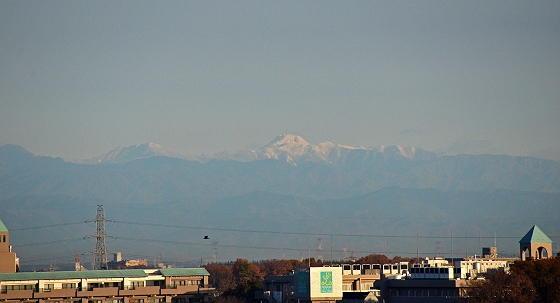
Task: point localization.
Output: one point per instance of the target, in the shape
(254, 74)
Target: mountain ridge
(355, 190)
(354, 172)
(290, 148)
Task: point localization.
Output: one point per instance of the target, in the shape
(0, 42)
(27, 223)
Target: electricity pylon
(100, 252)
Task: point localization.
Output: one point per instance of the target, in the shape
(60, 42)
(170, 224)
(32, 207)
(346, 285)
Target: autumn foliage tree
(279, 267)
(545, 276)
(531, 281)
(221, 277)
(502, 288)
(248, 279)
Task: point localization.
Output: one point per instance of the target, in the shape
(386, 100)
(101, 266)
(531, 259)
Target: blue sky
(79, 78)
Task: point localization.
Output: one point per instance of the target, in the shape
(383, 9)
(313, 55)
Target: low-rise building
(119, 263)
(423, 290)
(473, 267)
(177, 285)
(356, 283)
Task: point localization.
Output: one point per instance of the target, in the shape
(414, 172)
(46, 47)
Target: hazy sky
(79, 78)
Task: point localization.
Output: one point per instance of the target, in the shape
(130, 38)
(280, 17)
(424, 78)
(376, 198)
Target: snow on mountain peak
(295, 149)
(288, 140)
(287, 147)
(122, 154)
(405, 152)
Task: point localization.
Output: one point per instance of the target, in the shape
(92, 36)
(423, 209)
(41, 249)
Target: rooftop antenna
(100, 252)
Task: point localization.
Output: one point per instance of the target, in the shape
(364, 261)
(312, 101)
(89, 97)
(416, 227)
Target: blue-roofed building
(535, 245)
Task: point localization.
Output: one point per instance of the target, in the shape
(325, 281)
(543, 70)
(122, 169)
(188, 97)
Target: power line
(276, 232)
(50, 242)
(47, 226)
(310, 233)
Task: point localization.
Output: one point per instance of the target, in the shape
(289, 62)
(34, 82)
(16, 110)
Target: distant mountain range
(121, 155)
(287, 165)
(289, 148)
(286, 185)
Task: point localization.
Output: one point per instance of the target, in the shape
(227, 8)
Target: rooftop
(94, 274)
(3, 227)
(535, 235)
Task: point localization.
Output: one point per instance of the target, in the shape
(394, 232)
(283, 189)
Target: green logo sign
(326, 281)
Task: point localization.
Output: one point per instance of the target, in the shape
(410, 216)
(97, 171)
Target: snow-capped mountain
(294, 149)
(290, 148)
(122, 155)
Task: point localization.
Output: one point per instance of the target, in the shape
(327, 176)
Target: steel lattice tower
(100, 253)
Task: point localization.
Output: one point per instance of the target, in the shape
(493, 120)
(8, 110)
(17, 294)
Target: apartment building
(177, 285)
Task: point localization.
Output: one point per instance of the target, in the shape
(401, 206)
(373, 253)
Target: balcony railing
(140, 290)
(98, 292)
(26, 294)
(12, 294)
(50, 293)
(180, 289)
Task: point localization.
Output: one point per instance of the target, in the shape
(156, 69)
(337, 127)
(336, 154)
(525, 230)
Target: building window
(68, 285)
(176, 283)
(17, 287)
